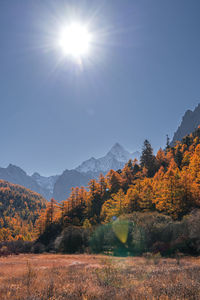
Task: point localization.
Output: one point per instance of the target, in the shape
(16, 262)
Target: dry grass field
(53, 276)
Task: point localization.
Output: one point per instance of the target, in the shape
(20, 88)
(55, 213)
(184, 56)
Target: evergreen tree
(178, 157)
(147, 159)
(167, 142)
(95, 199)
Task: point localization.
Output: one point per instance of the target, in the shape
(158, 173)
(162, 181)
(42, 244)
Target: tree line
(168, 183)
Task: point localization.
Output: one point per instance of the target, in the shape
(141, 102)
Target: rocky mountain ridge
(16, 175)
(190, 121)
(115, 159)
(59, 186)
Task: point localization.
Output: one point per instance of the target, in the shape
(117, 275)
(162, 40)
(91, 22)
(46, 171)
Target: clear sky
(142, 74)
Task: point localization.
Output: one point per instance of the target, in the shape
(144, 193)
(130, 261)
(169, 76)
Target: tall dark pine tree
(147, 159)
(167, 143)
(95, 200)
(178, 156)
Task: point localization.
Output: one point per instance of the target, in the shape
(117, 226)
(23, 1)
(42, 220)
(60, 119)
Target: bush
(192, 223)
(102, 239)
(48, 237)
(154, 232)
(38, 248)
(17, 247)
(113, 238)
(72, 240)
(4, 251)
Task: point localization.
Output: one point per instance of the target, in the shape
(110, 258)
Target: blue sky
(142, 75)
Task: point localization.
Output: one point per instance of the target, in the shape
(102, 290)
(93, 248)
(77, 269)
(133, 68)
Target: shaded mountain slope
(190, 121)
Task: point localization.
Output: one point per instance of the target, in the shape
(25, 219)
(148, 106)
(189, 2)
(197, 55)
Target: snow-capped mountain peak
(119, 153)
(114, 159)
(59, 186)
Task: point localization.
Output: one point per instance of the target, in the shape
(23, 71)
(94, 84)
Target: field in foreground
(52, 276)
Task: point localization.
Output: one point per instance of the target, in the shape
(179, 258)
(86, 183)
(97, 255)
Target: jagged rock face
(90, 169)
(45, 182)
(190, 121)
(69, 179)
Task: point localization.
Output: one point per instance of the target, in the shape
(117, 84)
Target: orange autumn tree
(168, 182)
(194, 171)
(169, 192)
(114, 207)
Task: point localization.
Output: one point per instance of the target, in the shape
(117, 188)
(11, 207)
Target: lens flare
(120, 228)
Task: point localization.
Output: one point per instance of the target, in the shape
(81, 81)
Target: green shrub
(72, 240)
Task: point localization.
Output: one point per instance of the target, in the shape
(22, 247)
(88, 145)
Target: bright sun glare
(75, 40)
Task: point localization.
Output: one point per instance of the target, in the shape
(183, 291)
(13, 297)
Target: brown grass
(56, 277)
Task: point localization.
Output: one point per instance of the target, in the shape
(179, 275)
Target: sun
(75, 40)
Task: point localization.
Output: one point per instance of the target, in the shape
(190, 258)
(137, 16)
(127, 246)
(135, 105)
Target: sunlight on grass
(98, 277)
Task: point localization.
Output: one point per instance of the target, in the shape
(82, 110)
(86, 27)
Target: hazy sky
(142, 73)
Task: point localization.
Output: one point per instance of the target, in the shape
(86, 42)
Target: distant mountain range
(46, 183)
(190, 121)
(115, 159)
(16, 175)
(59, 186)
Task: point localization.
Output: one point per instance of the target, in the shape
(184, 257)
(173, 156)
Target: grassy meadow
(87, 277)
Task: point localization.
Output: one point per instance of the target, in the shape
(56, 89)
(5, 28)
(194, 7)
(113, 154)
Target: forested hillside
(19, 209)
(152, 197)
(168, 182)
